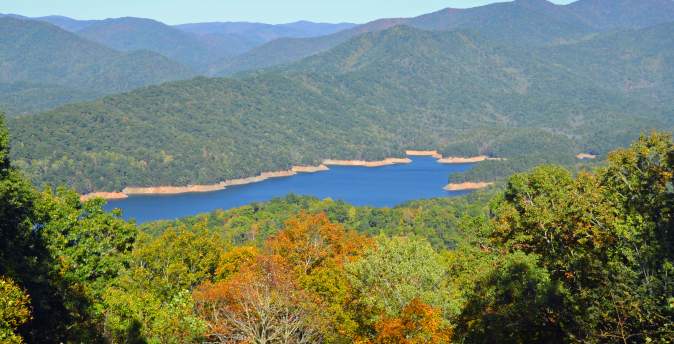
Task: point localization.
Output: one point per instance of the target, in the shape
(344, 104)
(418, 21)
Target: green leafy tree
(606, 237)
(639, 183)
(89, 248)
(395, 272)
(24, 256)
(14, 311)
(139, 315)
(516, 302)
(152, 297)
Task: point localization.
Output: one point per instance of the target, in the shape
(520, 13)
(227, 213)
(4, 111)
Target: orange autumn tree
(232, 260)
(270, 296)
(311, 242)
(418, 323)
(318, 250)
(261, 303)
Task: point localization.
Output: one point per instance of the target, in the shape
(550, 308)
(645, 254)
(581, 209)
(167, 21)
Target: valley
(521, 106)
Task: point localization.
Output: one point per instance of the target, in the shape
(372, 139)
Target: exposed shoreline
(469, 160)
(467, 186)
(104, 195)
(380, 163)
(451, 159)
(431, 153)
(586, 156)
(176, 190)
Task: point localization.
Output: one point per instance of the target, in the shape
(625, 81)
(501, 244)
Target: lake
(385, 186)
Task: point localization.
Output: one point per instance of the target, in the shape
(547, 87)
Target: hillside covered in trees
(55, 60)
(44, 66)
(525, 23)
(551, 258)
(370, 98)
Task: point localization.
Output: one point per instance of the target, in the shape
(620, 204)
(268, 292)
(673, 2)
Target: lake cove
(384, 186)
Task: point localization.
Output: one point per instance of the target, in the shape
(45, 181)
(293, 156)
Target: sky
(266, 11)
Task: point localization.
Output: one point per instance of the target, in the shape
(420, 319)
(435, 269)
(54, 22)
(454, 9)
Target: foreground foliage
(552, 258)
(15, 310)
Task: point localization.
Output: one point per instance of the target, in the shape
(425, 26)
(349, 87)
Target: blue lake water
(385, 186)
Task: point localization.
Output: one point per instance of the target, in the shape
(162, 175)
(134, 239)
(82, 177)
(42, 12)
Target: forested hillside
(21, 97)
(551, 258)
(371, 98)
(519, 22)
(42, 54)
(636, 62)
(197, 45)
(286, 50)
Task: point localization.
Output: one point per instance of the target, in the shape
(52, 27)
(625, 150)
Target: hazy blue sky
(269, 11)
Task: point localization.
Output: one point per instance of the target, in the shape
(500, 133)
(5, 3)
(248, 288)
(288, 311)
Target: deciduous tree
(259, 304)
(395, 272)
(14, 311)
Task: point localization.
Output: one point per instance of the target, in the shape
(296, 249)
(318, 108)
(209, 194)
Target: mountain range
(227, 48)
(44, 66)
(537, 22)
(527, 80)
(195, 44)
(372, 97)
(176, 52)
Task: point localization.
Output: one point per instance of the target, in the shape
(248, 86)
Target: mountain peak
(535, 3)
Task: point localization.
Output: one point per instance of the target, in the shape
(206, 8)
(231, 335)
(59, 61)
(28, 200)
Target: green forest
(44, 66)
(370, 98)
(550, 257)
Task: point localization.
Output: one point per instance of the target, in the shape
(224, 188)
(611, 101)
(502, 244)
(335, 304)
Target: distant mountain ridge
(196, 45)
(537, 22)
(130, 34)
(66, 23)
(287, 50)
(37, 55)
(621, 14)
(225, 48)
(54, 72)
(266, 32)
(193, 44)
